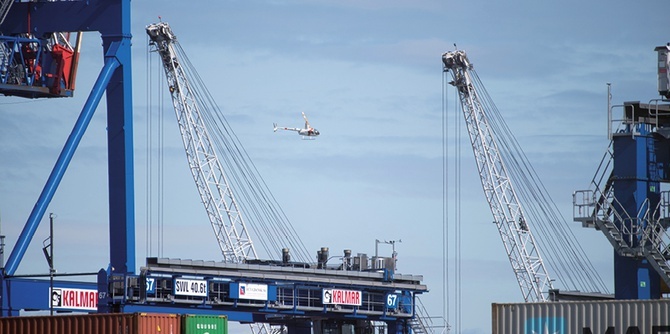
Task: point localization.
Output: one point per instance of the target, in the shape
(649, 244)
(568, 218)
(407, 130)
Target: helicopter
(307, 133)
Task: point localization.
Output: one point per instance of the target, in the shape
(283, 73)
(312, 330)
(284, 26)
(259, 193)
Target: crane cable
(457, 218)
(270, 225)
(445, 211)
(558, 243)
(155, 149)
(451, 220)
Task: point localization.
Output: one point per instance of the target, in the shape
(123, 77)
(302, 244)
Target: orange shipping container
(113, 323)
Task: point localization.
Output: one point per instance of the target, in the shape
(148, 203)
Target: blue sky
(369, 76)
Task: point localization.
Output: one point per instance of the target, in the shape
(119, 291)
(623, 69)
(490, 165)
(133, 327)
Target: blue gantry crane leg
(627, 203)
(637, 188)
(112, 19)
(120, 159)
(59, 168)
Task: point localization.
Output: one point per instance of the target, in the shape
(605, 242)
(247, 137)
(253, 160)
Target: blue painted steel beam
(637, 190)
(33, 294)
(111, 63)
(120, 144)
(105, 16)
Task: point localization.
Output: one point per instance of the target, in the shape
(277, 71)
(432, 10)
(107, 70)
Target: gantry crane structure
(508, 214)
(626, 200)
(23, 29)
(298, 295)
(211, 179)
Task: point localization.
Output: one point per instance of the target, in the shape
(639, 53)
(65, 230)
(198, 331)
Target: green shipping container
(205, 324)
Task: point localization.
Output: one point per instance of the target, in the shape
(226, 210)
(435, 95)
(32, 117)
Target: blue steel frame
(289, 301)
(636, 178)
(112, 19)
(33, 294)
(14, 42)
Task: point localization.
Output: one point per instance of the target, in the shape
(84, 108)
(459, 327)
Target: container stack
(114, 323)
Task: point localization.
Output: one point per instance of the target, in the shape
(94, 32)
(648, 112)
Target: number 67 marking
(391, 300)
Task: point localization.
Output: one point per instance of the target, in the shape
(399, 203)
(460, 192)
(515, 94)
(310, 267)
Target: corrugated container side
(159, 323)
(615, 316)
(205, 324)
(130, 323)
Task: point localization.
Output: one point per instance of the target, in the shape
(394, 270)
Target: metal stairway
(598, 208)
(656, 240)
(420, 323)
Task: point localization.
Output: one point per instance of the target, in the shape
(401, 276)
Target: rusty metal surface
(135, 323)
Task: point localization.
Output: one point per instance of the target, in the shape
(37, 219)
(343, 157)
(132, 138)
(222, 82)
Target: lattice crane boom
(520, 246)
(207, 171)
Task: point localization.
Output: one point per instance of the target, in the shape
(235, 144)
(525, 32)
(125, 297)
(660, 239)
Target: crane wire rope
(149, 154)
(564, 253)
(445, 210)
(161, 163)
(155, 155)
(271, 227)
(456, 216)
(248, 173)
(457, 219)
(147, 169)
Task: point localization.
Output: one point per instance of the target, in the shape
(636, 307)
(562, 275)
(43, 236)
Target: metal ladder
(420, 323)
(596, 208)
(656, 240)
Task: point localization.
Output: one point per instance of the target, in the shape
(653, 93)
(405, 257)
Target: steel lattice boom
(507, 211)
(208, 173)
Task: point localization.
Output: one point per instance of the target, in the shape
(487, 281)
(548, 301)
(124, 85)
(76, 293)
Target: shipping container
(583, 317)
(111, 323)
(204, 324)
